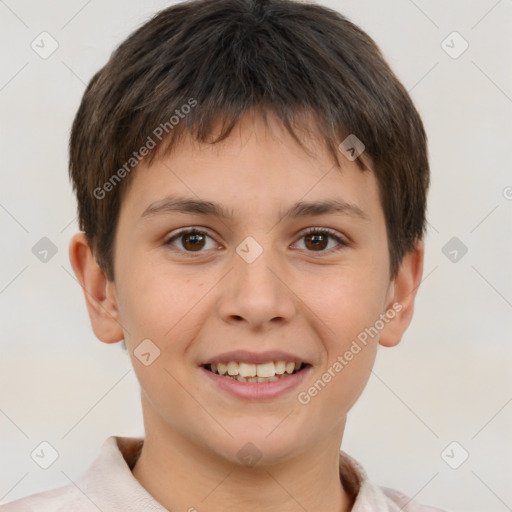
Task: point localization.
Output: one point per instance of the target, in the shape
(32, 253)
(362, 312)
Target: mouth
(258, 376)
(252, 373)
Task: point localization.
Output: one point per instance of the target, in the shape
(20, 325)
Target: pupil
(193, 241)
(318, 241)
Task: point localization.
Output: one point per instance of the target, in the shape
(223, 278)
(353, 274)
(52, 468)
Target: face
(264, 284)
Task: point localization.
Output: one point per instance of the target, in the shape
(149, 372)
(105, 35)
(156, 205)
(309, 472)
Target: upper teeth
(269, 369)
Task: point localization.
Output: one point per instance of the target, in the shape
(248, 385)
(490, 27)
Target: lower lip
(257, 390)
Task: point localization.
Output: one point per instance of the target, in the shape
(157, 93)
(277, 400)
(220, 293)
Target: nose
(257, 293)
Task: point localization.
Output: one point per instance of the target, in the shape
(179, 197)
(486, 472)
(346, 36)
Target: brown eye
(191, 241)
(320, 240)
(316, 241)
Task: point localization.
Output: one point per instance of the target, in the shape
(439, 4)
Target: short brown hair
(223, 58)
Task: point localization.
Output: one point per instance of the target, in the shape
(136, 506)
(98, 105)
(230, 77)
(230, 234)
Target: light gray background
(449, 379)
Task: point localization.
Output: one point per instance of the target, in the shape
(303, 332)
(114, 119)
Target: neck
(181, 475)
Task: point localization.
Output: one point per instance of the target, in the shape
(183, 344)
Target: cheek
(159, 306)
(348, 308)
(346, 301)
(159, 303)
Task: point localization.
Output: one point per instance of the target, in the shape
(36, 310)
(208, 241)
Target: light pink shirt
(108, 486)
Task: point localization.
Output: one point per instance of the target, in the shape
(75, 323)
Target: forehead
(258, 166)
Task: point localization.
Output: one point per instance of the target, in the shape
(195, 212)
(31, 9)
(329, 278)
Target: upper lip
(244, 356)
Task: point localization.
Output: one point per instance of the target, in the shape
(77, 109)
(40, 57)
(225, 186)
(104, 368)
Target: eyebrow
(300, 209)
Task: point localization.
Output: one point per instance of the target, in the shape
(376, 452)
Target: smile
(270, 371)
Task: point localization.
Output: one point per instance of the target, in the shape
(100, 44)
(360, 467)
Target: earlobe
(404, 288)
(99, 292)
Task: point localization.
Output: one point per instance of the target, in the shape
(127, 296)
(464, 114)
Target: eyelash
(315, 231)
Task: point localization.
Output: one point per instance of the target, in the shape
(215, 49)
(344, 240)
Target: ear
(401, 296)
(99, 292)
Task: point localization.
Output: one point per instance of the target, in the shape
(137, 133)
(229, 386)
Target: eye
(191, 240)
(317, 240)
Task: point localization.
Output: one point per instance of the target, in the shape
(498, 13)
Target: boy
(251, 181)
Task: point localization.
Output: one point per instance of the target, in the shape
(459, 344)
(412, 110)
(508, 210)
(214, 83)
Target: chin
(260, 444)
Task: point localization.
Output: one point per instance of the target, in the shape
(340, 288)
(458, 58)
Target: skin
(294, 297)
